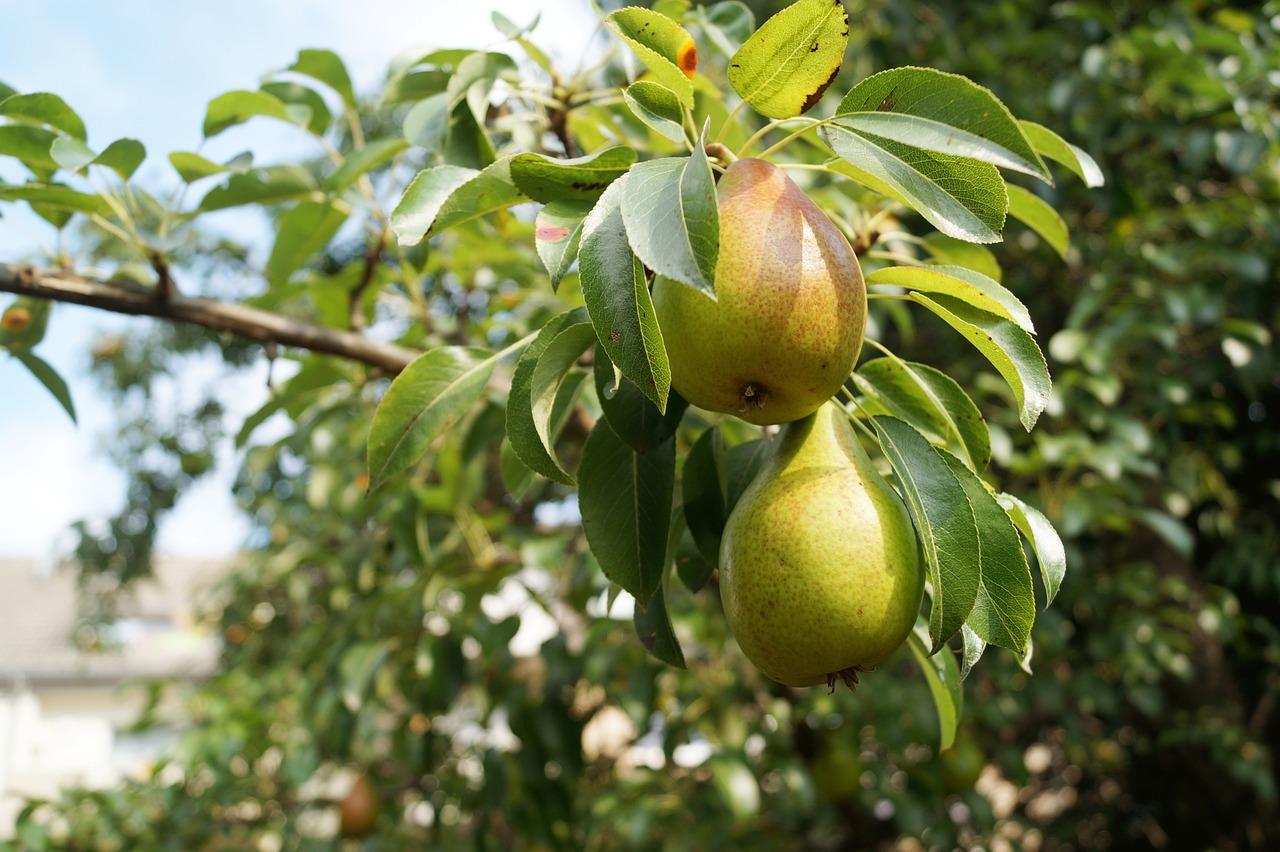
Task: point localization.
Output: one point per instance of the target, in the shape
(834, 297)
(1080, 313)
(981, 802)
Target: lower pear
(790, 306)
(820, 572)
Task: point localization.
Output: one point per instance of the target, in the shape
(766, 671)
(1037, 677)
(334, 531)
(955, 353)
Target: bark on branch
(127, 297)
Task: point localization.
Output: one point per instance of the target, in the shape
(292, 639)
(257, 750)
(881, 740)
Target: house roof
(157, 633)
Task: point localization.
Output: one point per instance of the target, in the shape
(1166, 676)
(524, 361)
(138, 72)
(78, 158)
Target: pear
(790, 306)
(820, 571)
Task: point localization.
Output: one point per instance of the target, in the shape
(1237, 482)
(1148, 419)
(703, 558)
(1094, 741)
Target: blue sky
(146, 70)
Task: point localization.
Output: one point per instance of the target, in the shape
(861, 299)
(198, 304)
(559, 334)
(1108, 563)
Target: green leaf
(302, 97)
(547, 179)
(974, 646)
(423, 402)
(625, 500)
(426, 125)
(31, 145)
(948, 251)
(702, 490)
(653, 627)
(303, 231)
(960, 197)
(191, 167)
(727, 24)
(1005, 606)
(554, 362)
(960, 283)
(784, 68)
(326, 67)
(48, 377)
(271, 185)
(474, 78)
(665, 47)
(658, 107)
(54, 195)
(316, 375)
(557, 233)
(363, 161)
(522, 433)
(44, 108)
(359, 663)
(618, 300)
(1034, 212)
(633, 418)
(944, 522)
(1009, 349)
(123, 157)
(446, 195)
(943, 678)
(71, 154)
(1045, 543)
(929, 400)
(236, 107)
(19, 332)
(672, 222)
(944, 113)
(1059, 150)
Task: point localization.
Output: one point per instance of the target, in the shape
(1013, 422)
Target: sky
(146, 70)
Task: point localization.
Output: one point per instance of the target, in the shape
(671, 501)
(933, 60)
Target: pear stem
(773, 125)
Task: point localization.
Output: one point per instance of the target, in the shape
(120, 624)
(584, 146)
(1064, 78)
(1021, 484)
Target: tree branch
(127, 297)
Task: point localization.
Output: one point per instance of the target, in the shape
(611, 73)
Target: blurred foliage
(372, 636)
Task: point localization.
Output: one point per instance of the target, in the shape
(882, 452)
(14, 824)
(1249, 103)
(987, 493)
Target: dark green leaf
(424, 401)
(444, 196)
(318, 115)
(1045, 543)
(364, 161)
(941, 112)
(672, 222)
(123, 156)
(547, 179)
(944, 522)
(653, 627)
(929, 400)
(1005, 605)
(522, 433)
(617, 298)
(960, 197)
(326, 67)
(271, 185)
(31, 145)
(625, 500)
(943, 677)
(237, 107)
(303, 231)
(44, 108)
(702, 489)
(48, 377)
(1009, 349)
(54, 195)
(632, 416)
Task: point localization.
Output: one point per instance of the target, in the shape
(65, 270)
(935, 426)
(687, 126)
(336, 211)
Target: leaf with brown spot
(787, 64)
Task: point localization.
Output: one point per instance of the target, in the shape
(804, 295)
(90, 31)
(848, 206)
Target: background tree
(1156, 668)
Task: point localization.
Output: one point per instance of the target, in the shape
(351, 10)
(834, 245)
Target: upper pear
(790, 306)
